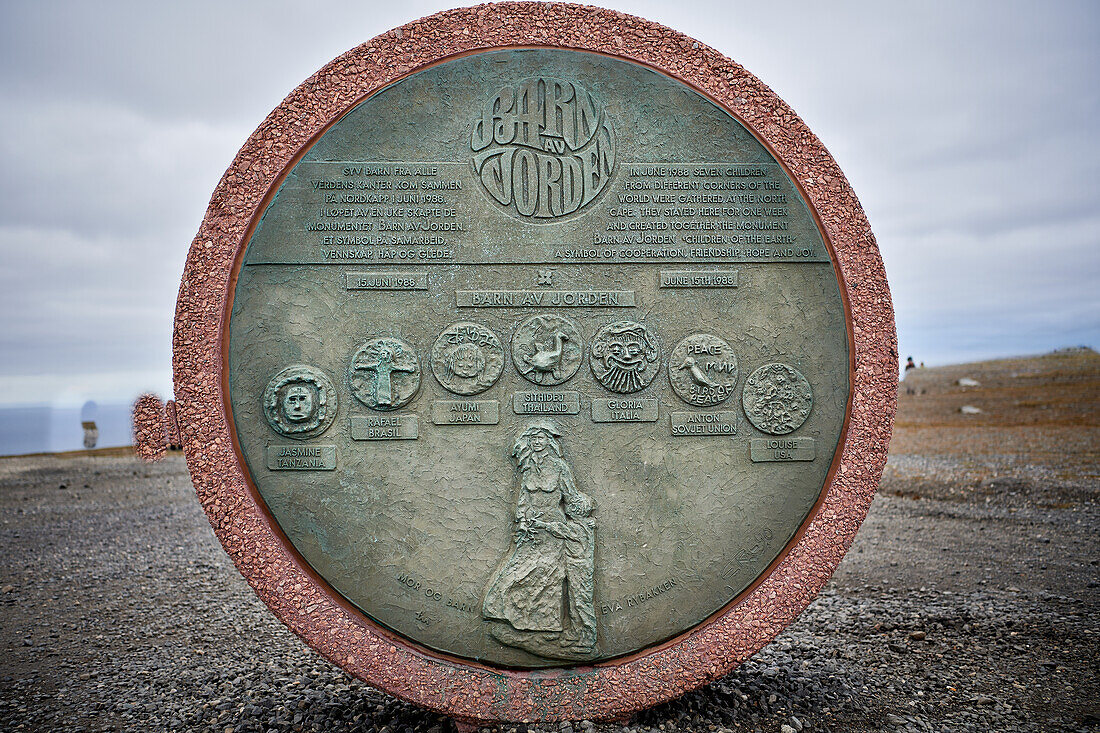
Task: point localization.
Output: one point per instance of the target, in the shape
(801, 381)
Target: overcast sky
(968, 130)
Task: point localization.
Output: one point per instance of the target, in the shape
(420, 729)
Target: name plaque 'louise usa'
(539, 356)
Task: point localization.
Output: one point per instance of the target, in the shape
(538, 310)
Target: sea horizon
(45, 428)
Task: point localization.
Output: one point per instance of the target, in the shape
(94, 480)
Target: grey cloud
(969, 130)
(106, 170)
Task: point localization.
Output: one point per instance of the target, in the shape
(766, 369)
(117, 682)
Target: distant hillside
(1062, 388)
(1041, 411)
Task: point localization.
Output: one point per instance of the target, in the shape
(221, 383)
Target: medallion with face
(300, 402)
(467, 358)
(624, 356)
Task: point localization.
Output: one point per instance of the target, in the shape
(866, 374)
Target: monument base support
(463, 725)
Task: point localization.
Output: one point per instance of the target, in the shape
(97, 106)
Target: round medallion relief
(467, 358)
(547, 349)
(384, 373)
(703, 370)
(300, 402)
(624, 356)
(777, 398)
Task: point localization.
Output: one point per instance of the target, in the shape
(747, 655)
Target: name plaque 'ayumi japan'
(533, 362)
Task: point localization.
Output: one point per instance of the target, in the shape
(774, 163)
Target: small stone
(786, 729)
(918, 635)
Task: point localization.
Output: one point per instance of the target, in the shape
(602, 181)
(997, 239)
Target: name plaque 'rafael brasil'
(631, 247)
(533, 362)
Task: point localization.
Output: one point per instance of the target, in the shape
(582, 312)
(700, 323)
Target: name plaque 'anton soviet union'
(540, 357)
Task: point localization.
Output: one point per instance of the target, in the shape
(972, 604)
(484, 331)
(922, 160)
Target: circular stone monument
(533, 540)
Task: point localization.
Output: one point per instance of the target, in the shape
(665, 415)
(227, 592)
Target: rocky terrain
(970, 600)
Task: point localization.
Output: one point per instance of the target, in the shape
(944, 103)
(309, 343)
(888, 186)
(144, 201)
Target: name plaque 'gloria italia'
(535, 356)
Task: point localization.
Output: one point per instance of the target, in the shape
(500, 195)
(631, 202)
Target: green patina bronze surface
(491, 348)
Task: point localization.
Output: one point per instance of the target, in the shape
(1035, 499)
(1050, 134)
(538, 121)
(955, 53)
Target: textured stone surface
(334, 629)
(150, 427)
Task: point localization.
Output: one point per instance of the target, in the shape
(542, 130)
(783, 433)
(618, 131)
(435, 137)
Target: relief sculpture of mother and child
(540, 599)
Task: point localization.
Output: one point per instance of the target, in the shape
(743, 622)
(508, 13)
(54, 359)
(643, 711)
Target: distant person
(910, 364)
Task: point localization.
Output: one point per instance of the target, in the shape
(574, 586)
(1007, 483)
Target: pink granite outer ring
(303, 602)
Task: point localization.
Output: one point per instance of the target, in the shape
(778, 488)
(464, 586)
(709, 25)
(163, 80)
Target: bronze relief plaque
(526, 324)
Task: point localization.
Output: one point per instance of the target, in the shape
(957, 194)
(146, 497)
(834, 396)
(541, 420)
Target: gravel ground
(970, 601)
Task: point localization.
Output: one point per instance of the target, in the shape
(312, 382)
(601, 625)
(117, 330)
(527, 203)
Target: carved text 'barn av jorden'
(543, 149)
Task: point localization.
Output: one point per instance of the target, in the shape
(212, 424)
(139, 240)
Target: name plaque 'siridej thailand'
(537, 356)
